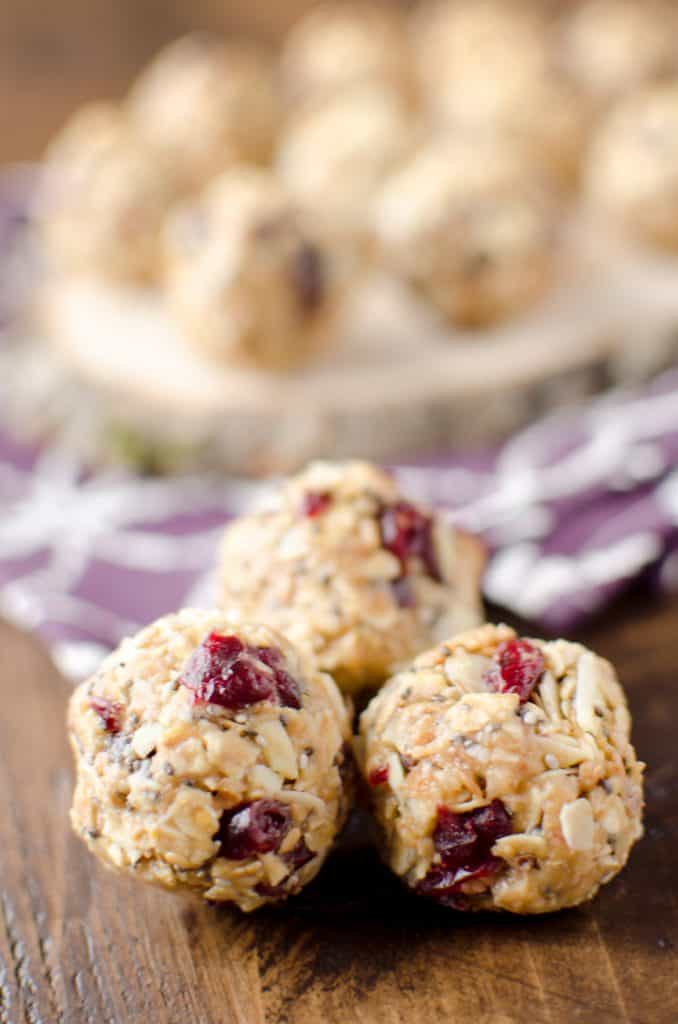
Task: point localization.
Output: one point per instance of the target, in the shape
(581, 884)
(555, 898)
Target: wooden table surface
(78, 944)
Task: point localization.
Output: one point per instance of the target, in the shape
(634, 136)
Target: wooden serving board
(79, 945)
(398, 380)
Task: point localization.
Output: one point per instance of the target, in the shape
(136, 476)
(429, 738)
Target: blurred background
(53, 57)
(529, 262)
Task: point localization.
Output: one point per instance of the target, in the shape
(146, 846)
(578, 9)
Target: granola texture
(103, 198)
(317, 566)
(632, 171)
(250, 279)
(206, 104)
(469, 223)
(437, 742)
(159, 773)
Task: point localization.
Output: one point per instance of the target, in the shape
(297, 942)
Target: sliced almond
(576, 822)
(230, 752)
(548, 691)
(382, 565)
(468, 671)
(587, 695)
(275, 868)
(566, 751)
(146, 739)
(264, 780)
(278, 749)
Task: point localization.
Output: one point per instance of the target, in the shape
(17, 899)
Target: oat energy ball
(345, 565)
(102, 198)
(632, 171)
(472, 78)
(206, 104)
(334, 156)
(210, 760)
(613, 46)
(470, 225)
(337, 45)
(251, 279)
(502, 773)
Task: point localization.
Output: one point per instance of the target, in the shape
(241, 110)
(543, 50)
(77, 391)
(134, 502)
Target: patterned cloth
(572, 509)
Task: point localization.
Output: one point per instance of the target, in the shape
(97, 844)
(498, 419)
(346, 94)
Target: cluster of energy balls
(442, 147)
(214, 749)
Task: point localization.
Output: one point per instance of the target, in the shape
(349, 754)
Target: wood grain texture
(81, 946)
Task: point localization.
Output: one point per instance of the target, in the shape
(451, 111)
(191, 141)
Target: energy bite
(102, 198)
(469, 224)
(205, 104)
(250, 278)
(343, 564)
(210, 759)
(632, 171)
(337, 45)
(333, 156)
(502, 773)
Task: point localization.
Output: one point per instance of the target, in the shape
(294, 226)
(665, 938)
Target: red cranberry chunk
(289, 694)
(224, 671)
(455, 838)
(257, 827)
(378, 776)
(520, 666)
(464, 843)
(407, 532)
(309, 277)
(444, 885)
(109, 712)
(315, 503)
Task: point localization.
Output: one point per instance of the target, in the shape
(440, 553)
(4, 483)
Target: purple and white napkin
(572, 509)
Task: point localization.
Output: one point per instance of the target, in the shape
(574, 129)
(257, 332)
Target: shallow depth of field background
(54, 56)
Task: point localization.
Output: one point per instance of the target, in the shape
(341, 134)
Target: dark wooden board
(78, 944)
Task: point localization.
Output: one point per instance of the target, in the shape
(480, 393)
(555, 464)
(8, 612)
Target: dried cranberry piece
(257, 827)
(464, 843)
(108, 711)
(491, 822)
(224, 671)
(454, 838)
(403, 593)
(315, 503)
(407, 532)
(444, 885)
(520, 666)
(309, 277)
(378, 776)
(289, 694)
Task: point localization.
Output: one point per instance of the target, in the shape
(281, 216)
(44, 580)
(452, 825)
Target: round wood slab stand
(119, 381)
